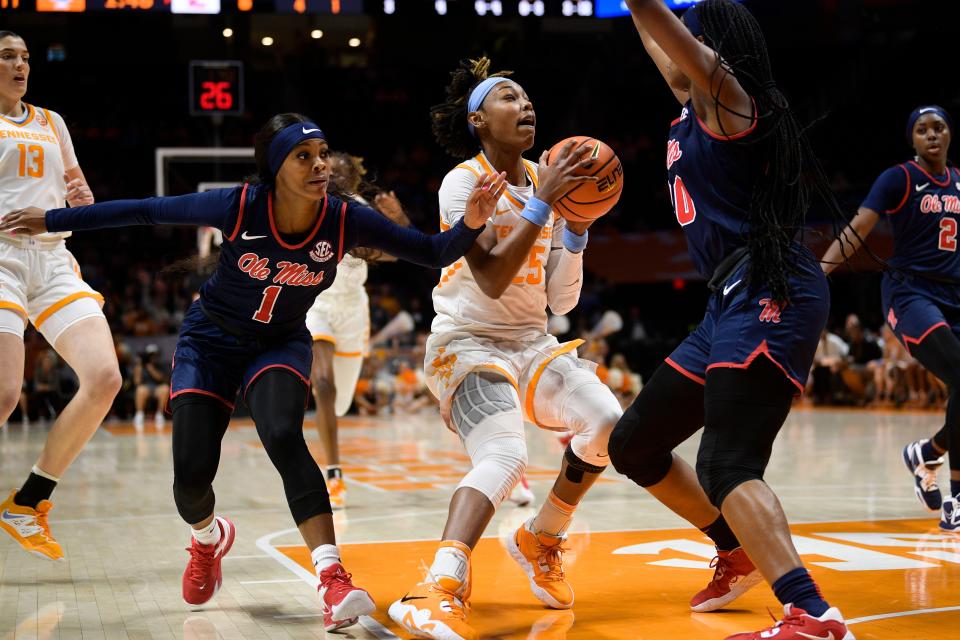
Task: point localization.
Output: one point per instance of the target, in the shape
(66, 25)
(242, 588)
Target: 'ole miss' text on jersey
(265, 282)
(711, 180)
(922, 292)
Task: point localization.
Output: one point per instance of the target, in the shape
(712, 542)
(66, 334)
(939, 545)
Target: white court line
(901, 614)
(264, 544)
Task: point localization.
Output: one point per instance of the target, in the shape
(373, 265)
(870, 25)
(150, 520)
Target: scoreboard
(493, 8)
(332, 7)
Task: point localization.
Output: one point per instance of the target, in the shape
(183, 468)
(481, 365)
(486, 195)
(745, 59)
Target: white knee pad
(574, 398)
(346, 372)
(486, 413)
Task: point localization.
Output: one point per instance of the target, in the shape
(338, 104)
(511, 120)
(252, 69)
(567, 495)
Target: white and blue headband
(477, 96)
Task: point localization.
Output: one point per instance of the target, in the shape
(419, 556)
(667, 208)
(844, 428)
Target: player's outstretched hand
(78, 192)
(557, 179)
(483, 199)
(29, 222)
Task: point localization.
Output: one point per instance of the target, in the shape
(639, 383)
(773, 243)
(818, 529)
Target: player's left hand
(78, 192)
(483, 199)
(578, 228)
(29, 222)
(387, 203)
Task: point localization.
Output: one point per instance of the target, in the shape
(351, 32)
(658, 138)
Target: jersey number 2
(682, 203)
(948, 234)
(265, 313)
(31, 161)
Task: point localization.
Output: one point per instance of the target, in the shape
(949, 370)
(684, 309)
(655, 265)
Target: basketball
(590, 200)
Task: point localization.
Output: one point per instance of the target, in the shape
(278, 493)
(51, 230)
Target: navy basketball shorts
(213, 363)
(739, 326)
(914, 307)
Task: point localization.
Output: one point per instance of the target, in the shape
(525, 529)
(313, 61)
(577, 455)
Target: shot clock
(216, 87)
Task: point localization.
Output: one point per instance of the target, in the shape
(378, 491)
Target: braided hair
(781, 197)
(449, 118)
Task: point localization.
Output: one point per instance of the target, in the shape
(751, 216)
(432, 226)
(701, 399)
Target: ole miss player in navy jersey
(735, 161)
(247, 333)
(921, 289)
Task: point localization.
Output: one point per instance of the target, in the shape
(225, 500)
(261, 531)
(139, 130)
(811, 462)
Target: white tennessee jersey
(521, 312)
(34, 155)
(351, 276)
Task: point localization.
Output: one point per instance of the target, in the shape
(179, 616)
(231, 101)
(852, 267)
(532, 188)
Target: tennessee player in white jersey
(40, 282)
(489, 359)
(339, 322)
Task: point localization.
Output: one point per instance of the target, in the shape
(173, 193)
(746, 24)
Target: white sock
(324, 556)
(43, 474)
(209, 534)
(451, 564)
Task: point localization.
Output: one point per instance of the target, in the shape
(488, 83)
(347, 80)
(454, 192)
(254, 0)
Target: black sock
(35, 489)
(334, 472)
(721, 535)
(798, 588)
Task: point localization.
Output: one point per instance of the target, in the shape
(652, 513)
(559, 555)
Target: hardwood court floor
(634, 565)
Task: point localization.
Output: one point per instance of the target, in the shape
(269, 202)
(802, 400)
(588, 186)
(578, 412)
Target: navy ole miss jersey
(266, 281)
(923, 210)
(710, 178)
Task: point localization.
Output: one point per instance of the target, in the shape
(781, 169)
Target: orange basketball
(590, 200)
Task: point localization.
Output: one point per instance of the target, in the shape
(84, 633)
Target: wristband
(537, 211)
(574, 243)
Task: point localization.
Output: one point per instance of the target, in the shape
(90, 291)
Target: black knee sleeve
(199, 423)
(940, 353)
(577, 467)
(744, 412)
(668, 410)
(276, 400)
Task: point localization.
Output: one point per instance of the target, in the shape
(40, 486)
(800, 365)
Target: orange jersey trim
(60, 304)
(322, 337)
(30, 109)
(348, 354)
(243, 202)
(468, 168)
(483, 163)
(532, 387)
(56, 135)
(13, 306)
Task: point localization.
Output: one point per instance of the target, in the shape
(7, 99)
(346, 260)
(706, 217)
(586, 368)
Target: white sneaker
(521, 494)
(950, 514)
(138, 421)
(159, 420)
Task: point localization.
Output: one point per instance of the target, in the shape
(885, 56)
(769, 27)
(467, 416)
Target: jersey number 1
(265, 313)
(948, 234)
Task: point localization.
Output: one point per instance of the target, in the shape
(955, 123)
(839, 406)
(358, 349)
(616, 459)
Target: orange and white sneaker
(733, 575)
(541, 557)
(430, 611)
(797, 624)
(29, 527)
(338, 492)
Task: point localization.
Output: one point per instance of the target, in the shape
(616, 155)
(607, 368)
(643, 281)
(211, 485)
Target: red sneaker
(797, 624)
(202, 577)
(733, 576)
(341, 602)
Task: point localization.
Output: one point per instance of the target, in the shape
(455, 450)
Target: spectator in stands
(890, 372)
(856, 371)
(47, 395)
(152, 381)
(828, 361)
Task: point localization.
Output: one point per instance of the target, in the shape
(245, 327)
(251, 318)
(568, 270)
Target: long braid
(449, 118)
(781, 197)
